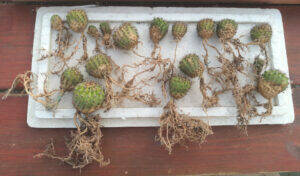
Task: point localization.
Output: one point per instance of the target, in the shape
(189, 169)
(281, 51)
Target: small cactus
(99, 66)
(191, 65)
(105, 28)
(226, 29)
(56, 23)
(179, 30)
(258, 65)
(179, 86)
(206, 28)
(77, 20)
(272, 83)
(88, 97)
(93, 31)
(261, 33)
(70, 78)
(126, 37)
(158, 29)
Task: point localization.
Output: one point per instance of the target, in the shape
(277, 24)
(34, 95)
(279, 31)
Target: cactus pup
(126, 37)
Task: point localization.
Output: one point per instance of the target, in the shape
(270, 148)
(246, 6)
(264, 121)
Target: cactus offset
(179, 86)
(272, 83)
(99, 66)
(261, 33)
(258, 65)
(88, 97)
(191, 65)
(179, 30)
(206, 28)
(226, 29)
(93, 31)
(56, 23)
(158, 29)
(126, 36)
(105, 28)
(70, 78)
(77, 20)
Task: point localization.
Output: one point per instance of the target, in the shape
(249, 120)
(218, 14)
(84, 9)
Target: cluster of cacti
(89, 96)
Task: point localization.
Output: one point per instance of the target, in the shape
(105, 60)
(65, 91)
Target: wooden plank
(133, 151)
(165, 1)
(17, 27)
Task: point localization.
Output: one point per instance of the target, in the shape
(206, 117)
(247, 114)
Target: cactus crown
(99, 66)
(191, 65)
(105, 28)
(88, 97)
(276, 77)
(226, 29)
(70, 78)
(126, 36)
(158, 29)
(179, 86)
(93, 31)
(261, 33)
(56, 22)
(179, 30)
(77, 20)
(206, 28)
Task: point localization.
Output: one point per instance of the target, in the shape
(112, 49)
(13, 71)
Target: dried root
(178, 128)
(26, 81)
(83, 145)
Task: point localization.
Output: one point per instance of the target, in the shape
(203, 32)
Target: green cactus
(226, 29)
(56, 23)
(70, 78)
(105, 28)
(258, 65)
(93, 31)
(272, 83)
(158, 29)
(261, 33)
(179, 30)
(191, 65)
(88, 97)
(206, 28)
(179, 86)
(99, 66)
(77, 20)
(126, 37)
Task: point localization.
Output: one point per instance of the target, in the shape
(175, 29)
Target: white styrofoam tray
(134, 114)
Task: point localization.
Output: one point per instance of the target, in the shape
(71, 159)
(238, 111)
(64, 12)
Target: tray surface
(136, 114)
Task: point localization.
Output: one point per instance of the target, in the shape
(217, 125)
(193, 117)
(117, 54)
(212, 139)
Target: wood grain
(162, 2)
(134, 151)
